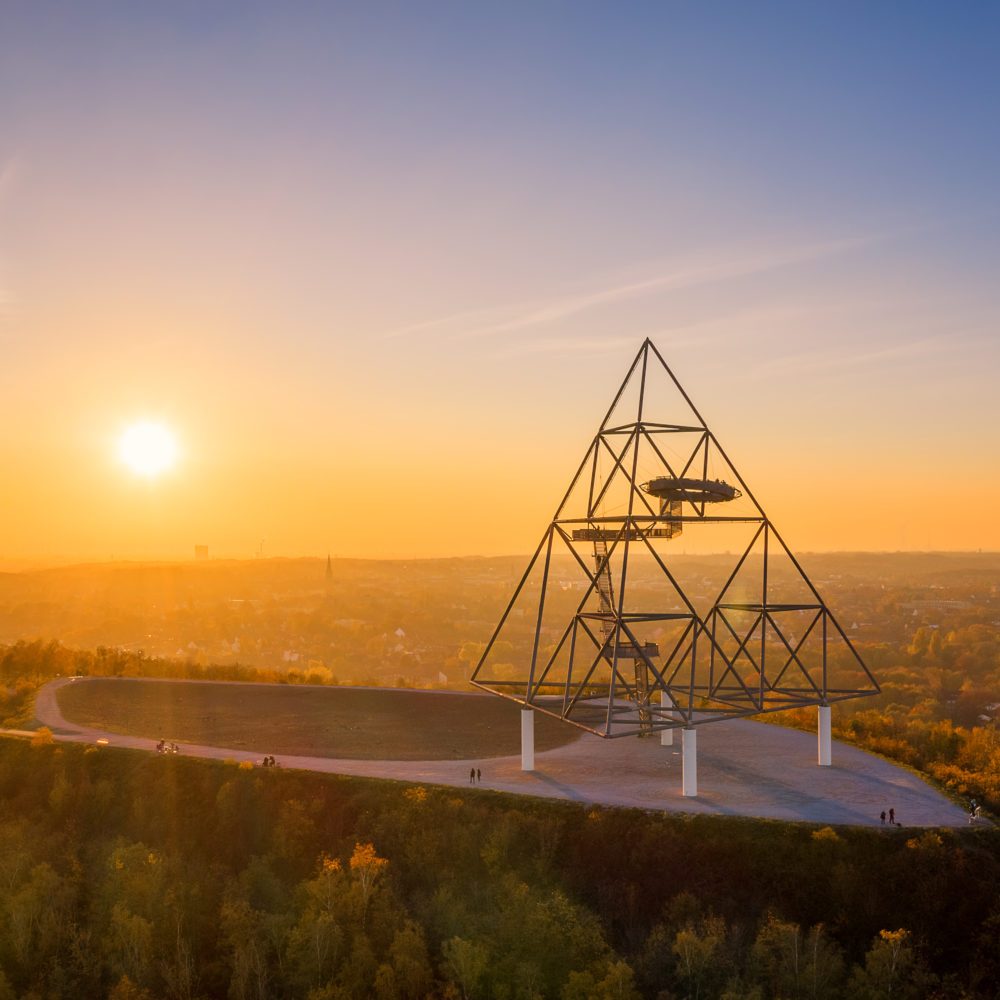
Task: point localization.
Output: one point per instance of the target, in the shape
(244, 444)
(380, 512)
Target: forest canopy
(132, 875)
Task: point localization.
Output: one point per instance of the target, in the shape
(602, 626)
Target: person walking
(881, 816)
(892, 817)
(472, 776)
(479, 776)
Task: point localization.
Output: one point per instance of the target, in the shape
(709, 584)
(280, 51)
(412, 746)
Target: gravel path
(744, 769)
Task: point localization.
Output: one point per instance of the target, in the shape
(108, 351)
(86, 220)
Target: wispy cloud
(696, 333)
(568, 345)
(811, 362)
(510, 319)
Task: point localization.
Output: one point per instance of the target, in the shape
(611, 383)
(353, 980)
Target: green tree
(465, 964)
(131, 944)
(614, 981)
(891, 970)
(37, 915)
(248, 945)
(410, 963)
(316, 942)
(697, 950)
(793, 964)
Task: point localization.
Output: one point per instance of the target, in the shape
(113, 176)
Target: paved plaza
(745, 768)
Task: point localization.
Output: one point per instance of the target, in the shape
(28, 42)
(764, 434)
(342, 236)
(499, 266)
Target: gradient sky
(382, 266)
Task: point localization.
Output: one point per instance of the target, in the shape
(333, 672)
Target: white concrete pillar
(666, 735)
(527, 740)
(689, 758)
(825, 738)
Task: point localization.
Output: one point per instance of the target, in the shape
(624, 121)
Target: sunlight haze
(380, 268)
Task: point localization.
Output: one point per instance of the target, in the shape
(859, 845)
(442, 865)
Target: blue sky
(276, 223)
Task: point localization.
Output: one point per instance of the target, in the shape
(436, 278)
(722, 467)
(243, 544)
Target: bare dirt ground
(744, 768)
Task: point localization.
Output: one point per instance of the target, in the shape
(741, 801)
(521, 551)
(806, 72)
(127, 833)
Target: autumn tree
(366, 870)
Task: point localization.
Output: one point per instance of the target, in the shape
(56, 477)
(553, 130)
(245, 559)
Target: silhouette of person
(892, 816)
(479, 775)
(881, 816)
(472, 776)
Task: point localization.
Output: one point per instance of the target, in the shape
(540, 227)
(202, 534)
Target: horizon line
(15, 565)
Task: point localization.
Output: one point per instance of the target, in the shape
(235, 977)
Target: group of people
(268, 762)
(475, 776)
(164, 747)
(975, 814)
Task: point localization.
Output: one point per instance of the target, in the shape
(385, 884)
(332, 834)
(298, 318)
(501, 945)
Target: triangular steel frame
(697, 680)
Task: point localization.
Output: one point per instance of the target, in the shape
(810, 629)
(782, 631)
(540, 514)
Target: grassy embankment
(351, 723)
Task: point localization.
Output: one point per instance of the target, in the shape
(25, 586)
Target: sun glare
(148, 449)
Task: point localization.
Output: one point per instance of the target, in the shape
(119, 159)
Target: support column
(825, 739)
(527, 739)
(666, 735)
(689, 759)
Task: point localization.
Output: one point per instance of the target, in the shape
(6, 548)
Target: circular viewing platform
(692, 490)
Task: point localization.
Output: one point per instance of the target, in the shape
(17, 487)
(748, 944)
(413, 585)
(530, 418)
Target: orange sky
(382, 278)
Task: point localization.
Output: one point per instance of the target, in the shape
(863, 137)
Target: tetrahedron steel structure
(612, 629)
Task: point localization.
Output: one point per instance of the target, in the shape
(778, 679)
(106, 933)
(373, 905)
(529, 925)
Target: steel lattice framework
(574, 640)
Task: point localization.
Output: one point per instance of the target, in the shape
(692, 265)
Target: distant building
(201, 552)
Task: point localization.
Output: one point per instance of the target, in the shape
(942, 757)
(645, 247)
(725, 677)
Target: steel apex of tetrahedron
(614, 631)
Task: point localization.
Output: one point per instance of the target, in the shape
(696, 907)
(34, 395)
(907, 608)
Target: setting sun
(148, 449)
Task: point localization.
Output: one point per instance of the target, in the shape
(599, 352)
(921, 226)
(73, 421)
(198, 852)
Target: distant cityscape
(421, 623)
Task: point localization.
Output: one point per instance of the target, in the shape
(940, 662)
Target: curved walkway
(745, 768)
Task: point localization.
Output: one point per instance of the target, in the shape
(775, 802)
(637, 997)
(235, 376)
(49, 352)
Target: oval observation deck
(693, 490)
